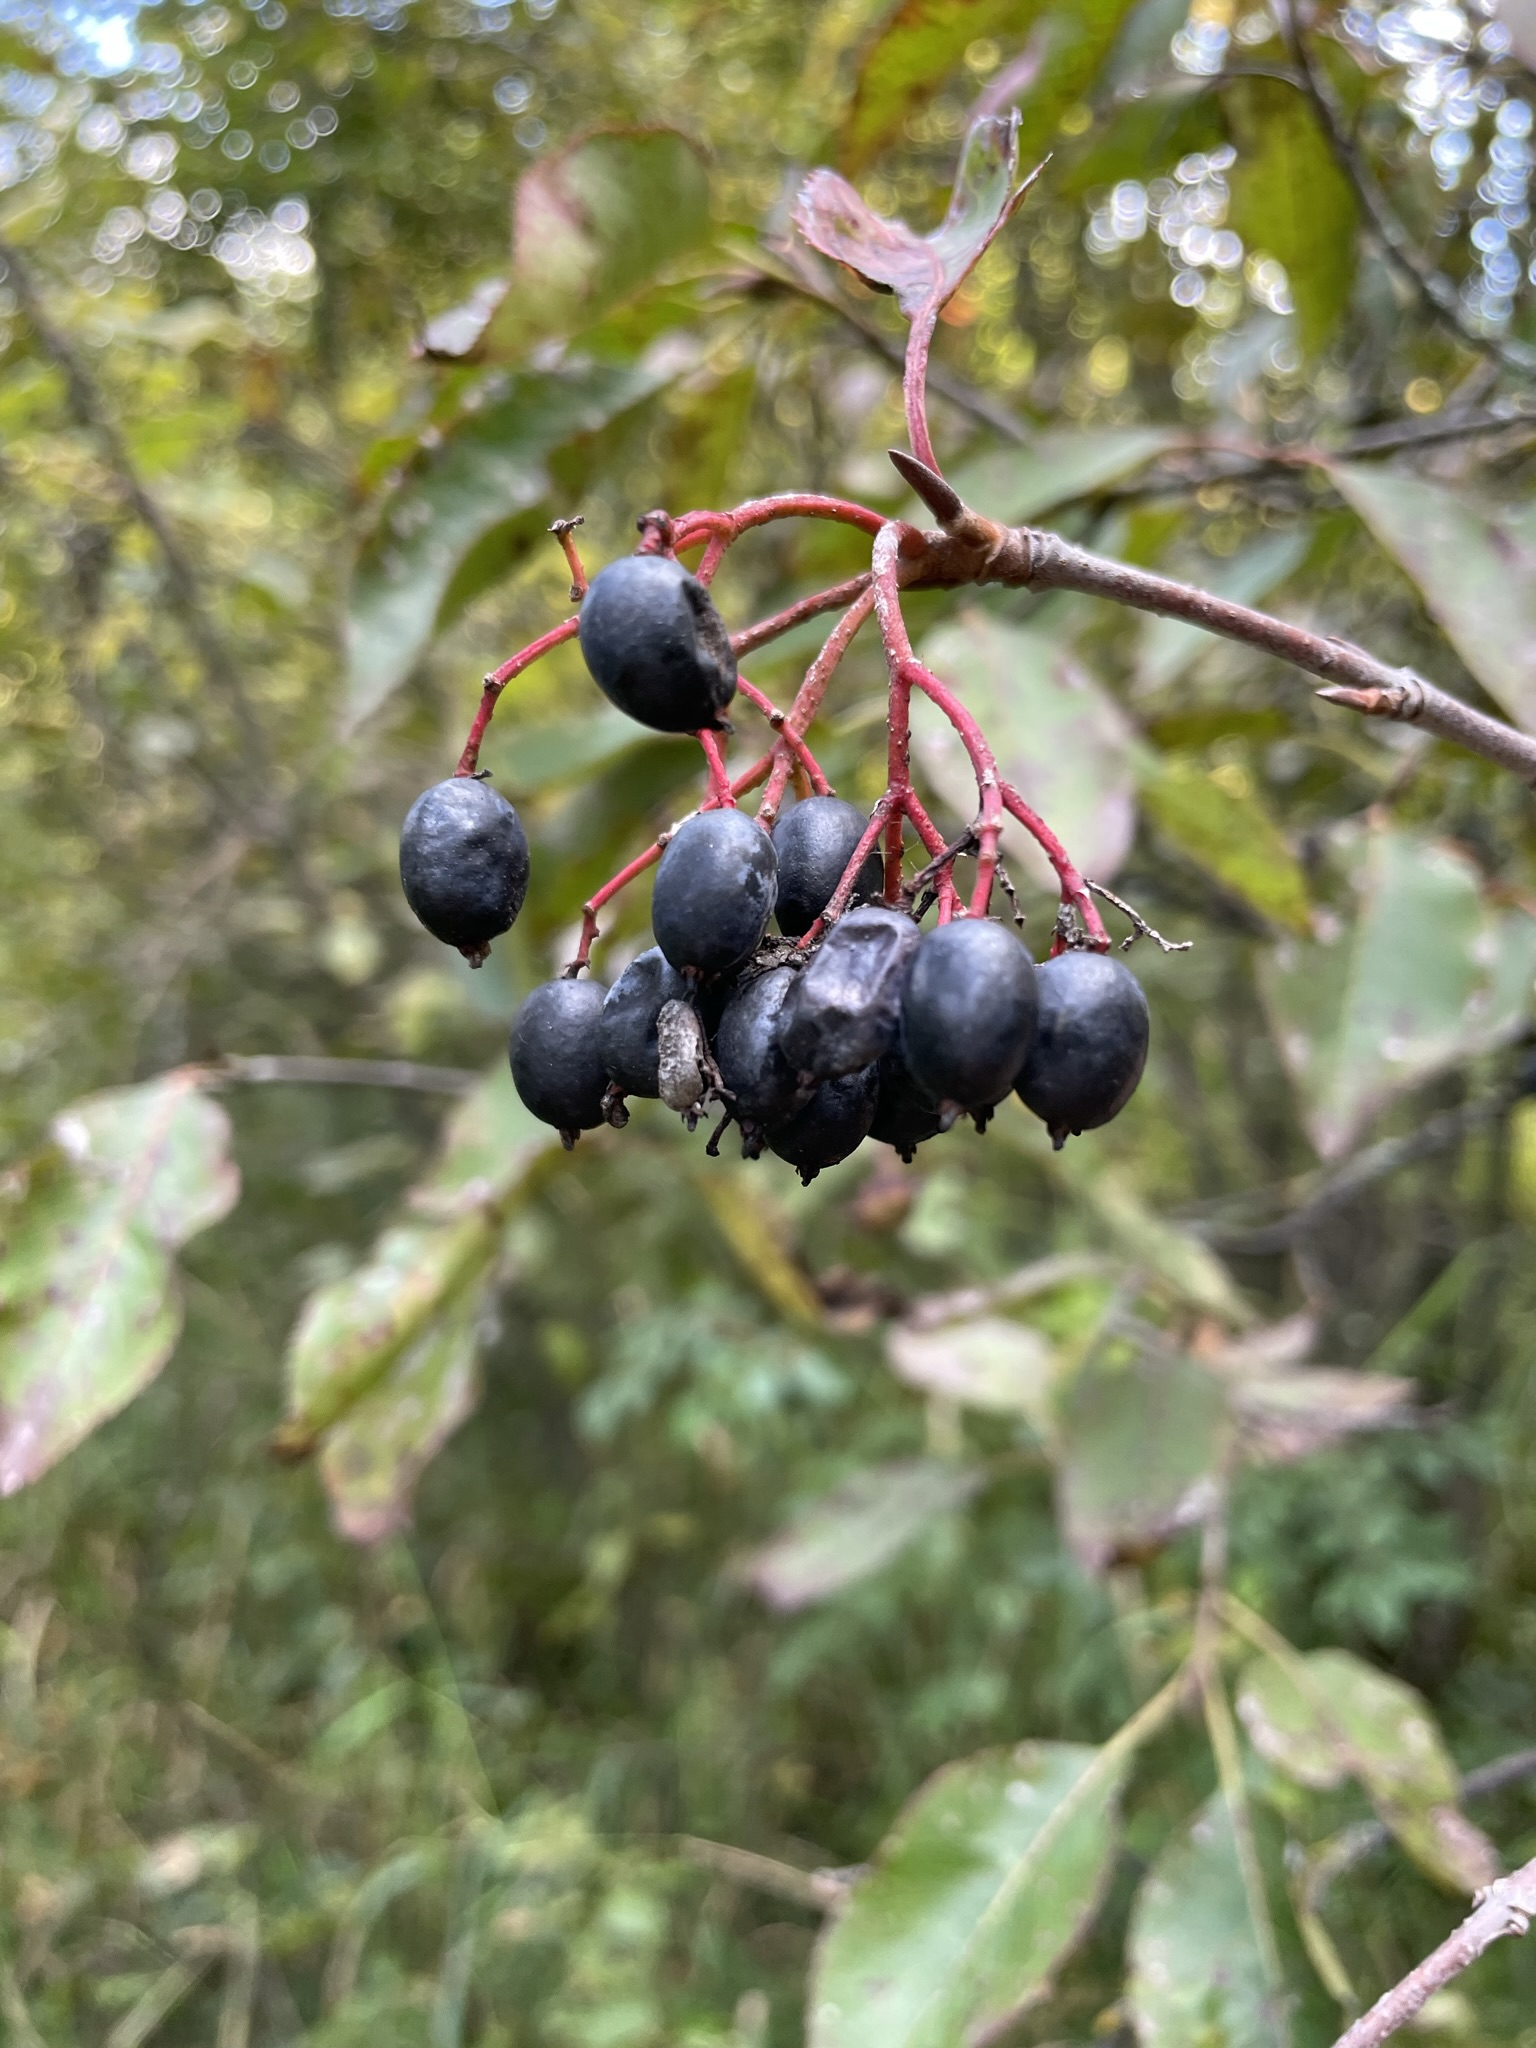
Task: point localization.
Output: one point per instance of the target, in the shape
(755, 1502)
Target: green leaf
(1018, 484)
(1328, 1716)
(1057, 735)
(594, 226)
(914, 55)
(532, 759)
(89, 1304)
(1196, 1972)
(374, 1456)
(1422, 976)
(855, 1530)
(1228, 832)
(1474, 564)
(463, 487)
(989, 1878)
(1290, 200)
(987, 1362)
(1142, 1431)
(380, 1364)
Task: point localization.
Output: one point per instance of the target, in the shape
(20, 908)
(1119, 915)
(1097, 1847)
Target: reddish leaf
(922, 270)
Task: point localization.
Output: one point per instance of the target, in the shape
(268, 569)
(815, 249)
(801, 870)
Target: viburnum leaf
(922, 270)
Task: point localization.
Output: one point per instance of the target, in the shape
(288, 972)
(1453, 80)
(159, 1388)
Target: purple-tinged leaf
(922, 270)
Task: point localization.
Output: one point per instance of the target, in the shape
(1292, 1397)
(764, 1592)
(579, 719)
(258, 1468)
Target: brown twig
(1504, 1908)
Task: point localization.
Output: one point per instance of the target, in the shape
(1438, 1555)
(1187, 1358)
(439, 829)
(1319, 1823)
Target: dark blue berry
(815, 842)
(834, 1123)
(968, 1014)
(627, 1032)
(845, 1009)
(464, 863)
(1090, 1043)
(906, 1115)
(714, 892)
(758, 1079)
(655, 644)
(557, 1059)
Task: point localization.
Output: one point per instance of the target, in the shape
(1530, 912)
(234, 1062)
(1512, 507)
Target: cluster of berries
(862, 1026)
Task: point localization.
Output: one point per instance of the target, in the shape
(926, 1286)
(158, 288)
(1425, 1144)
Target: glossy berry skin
(715, 891)
(1090, 1043)
(557, 1061)
(464, 863)
(846, 1007)
(815, 842)
(655, 644)
(968, 1013)
(760, 1080)
(834, 1123)
(906, 1115)
(627, 1031)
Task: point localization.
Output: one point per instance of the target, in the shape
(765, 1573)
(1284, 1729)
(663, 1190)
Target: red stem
(837, 902)
(498, 680)
(692, 527)
(914, 387)
(780, 723)
(752, 637)
(719, 780)
(809, 695)
(933, 840)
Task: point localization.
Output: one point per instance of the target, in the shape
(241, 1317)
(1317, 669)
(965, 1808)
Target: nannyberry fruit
(758, 1079)
(906, 1115)
(845, 1009)
(832, 1124)
(655, 644)
(714, 892)
(627, 1032)
(1090, 1043)
(557, 1058)
(464, 863)
(968, 1013)
(815, 842)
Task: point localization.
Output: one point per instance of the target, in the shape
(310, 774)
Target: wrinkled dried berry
(845, 1009)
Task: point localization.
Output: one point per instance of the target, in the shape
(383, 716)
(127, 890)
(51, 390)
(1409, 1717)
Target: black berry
(832, 1124)
(906, 1115)
(627, 1032)
(714, 891)
(815, 842)
(556, 1052)
(655, 644)
(968, 1014)
(845, 1009)
(1090, 1043)
(464, 863)
(758, 1078)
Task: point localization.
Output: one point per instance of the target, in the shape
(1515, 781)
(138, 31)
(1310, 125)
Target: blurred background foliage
(742, 1508)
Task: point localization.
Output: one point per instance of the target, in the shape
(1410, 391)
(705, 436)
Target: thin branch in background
(1437, 1134)
(1502, 1909)
(1141, 929)
(1436, 288)
(187, 599)
(285, 1069)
